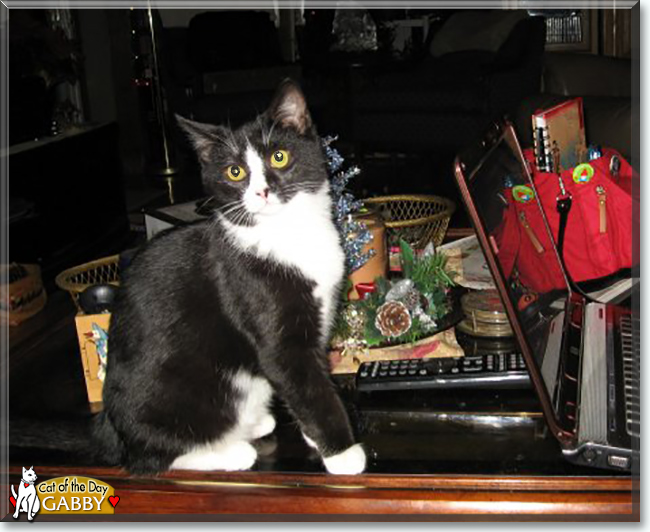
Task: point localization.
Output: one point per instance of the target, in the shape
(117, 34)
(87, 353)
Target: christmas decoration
(355, 319)
(363, 289)
(393, 319)
(355, 234)
(405, 292)
(403, 310)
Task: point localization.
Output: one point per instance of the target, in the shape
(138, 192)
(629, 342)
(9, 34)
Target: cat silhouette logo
(62, 495)
(27, 498)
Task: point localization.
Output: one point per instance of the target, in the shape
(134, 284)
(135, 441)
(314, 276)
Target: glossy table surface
(431, 454)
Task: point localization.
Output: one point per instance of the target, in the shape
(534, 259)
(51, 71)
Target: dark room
(325, 261)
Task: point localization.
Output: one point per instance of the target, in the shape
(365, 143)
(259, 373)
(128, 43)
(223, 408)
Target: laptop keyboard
(631, 373)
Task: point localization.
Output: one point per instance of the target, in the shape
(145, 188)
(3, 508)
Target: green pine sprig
(430, 277)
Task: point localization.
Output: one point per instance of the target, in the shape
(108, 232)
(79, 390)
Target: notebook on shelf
(559, 136)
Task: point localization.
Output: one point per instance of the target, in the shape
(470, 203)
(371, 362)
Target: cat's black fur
(193, 307)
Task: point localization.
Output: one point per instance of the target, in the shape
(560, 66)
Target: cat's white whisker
(232, 147)
(233, 208)
(273, 124)
(263, 130)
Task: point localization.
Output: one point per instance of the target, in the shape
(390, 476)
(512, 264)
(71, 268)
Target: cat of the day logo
(62, 495)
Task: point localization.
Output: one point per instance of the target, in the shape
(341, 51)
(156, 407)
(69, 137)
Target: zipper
(531, 234)
(602, 207)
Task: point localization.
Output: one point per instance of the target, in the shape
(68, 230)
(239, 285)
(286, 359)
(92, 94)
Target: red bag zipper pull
(531, 234)
(602, 207)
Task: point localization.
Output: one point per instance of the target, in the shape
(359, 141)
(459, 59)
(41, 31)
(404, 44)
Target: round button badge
(522, 193)
(583, 173)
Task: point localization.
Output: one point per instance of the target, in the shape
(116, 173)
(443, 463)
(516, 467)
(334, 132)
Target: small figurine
(615, 166)
(595, 152)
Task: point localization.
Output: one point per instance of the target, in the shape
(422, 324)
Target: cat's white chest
(304, 237)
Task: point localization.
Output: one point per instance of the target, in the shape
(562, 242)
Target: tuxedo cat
(214, 318)
(27, 499)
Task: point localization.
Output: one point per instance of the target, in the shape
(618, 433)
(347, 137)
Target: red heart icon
(26, 484)
(114, 500)
(12, 501)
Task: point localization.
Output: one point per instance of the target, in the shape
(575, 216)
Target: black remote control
(484, 371)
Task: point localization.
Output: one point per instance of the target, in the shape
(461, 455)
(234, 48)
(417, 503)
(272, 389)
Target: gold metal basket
(418, 219)
(101, 271)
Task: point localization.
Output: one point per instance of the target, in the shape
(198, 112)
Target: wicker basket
(418, 219)
(101, 271)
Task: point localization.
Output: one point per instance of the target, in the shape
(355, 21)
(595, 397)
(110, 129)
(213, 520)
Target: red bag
(524, 247)
(598, 232)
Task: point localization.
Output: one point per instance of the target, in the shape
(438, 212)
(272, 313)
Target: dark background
(79, 181)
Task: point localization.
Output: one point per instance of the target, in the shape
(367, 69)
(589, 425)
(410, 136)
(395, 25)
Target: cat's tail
(13, 492)
(83, 441)
(107, 439)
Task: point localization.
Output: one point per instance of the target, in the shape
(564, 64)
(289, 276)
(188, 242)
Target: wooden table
(282, 496)
(458, 455)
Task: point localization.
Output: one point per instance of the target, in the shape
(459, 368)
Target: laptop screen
(505, 202)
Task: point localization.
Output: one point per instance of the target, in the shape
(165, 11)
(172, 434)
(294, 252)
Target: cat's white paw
(237, 456)
(240, 456)
(265, 427)
(352, 461)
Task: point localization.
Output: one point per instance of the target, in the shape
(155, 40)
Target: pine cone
(414, 300)
(393, 319)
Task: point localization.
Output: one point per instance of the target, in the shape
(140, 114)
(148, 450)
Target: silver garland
(354, 234)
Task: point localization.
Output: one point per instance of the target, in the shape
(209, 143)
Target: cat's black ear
(289, 108)
(203, 137)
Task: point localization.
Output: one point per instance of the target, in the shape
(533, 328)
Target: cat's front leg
(30, 508)
(300, 378)
(342, 463)
(36, 505)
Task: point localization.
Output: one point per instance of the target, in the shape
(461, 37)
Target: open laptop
(582, 356)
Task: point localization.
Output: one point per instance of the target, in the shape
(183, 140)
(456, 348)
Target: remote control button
(422, 371)
(392, 373)
(402, 372)
(454, 370)
(363, 374)
(383, 373)
(412, 371)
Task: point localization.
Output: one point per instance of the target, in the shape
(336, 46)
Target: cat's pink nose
(264, 193)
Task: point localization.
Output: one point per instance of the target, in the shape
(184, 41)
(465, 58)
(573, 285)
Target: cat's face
(253, 172)
(29, 474)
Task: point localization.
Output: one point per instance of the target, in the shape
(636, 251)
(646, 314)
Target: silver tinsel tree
(354, 234)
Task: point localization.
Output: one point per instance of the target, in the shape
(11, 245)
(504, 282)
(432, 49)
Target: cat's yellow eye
(235, 172)
(280, 159)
